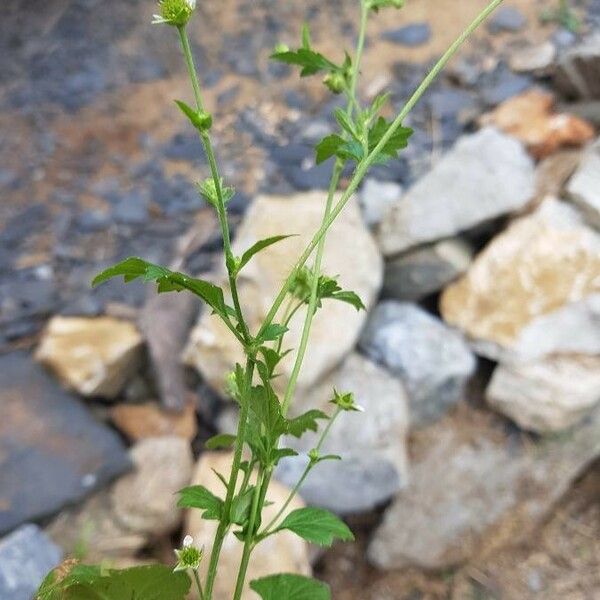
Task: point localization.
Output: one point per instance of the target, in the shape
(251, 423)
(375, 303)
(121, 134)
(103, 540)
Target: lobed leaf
(290, 587)
(305, 422)
(197, 496)
(317, 526)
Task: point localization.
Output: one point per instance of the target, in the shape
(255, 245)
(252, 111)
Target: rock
(577, 74)
(52, 451)
(502, 85)
(584, 186)
(432, 361)
(554, 172)
(426, 270)
(142, 421)
(93, 356)
(549, 395)
(165, 322)
(94, 525)
(372, 444)
(212, 348)
(145, 501)
(484, 176)
(412, 35)
(532, 58)
(507, 18)
(534, 290)
(26, 557)
(376, 198)
(282, 553)
(531, 119)
(474, 488)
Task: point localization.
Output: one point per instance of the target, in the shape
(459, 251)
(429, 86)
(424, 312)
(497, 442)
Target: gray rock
(547, 395)
(484, 176)
(584, 186)
(432, 360)
(507, 18)
(372, 444)
(577, 74)
(53, 451)
(412, 35)
(26, 557)
(425, 270)
(376, 198)
(472, 485)
(532, 58)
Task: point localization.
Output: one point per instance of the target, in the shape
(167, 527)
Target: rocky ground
(474, 471)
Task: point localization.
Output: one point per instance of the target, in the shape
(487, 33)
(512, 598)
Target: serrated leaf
(168, 281)
(305, 422)
(311, 62)
(220, 441)
(317, 526)
(346, 123)
(329, 146)
(398, 141)
(278, 453)
(272, 332)
(290, 587)
(153, 582)
(197, 496)
(349, 298)
(256, 248)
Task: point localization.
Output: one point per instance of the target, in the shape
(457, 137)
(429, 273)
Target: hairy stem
(368, 161)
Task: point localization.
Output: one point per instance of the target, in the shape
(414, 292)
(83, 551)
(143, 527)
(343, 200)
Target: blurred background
(473, 472)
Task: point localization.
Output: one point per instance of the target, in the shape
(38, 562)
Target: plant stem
(235, 468)
(214, 170)
(368, 161)
(304, 475)
(198, 585)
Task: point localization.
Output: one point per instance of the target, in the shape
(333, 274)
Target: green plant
(564, 15)
(364, 138)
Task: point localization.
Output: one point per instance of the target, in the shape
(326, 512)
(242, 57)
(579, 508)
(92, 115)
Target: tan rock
(93, 356)
(530, 117)
(141, 421)
(281, 553)
(535, 289)
(145, 501)
(350, 253)
(548, 395)
(584, 186)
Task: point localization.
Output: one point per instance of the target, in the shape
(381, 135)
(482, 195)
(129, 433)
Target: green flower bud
(189, 556)
(336, 82)
(346, 402)
(204, 120)
(175, 12)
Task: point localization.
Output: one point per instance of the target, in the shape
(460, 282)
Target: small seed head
(336, 82)
(175, 12)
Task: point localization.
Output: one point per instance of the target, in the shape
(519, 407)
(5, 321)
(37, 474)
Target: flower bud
(175, 12)
(336, 82)
(189, 557)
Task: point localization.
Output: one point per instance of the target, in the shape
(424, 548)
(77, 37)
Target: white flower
(188, 540)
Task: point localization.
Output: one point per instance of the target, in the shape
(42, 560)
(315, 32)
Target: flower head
(175, 12)
(188, 557)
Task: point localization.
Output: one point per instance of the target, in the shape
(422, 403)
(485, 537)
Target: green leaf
(200, 119)
(305, 422)
(240, 506)
(220, 441)
(208, 190)
(329, 146)
(398, 141)
(278, 453)
(290, 587)
(168, 281)
(256, 248)
(311, 62)
(317, 526)
(272, 332)
(346, 123)
(153, 582)
(375, 5)
(197, 496)
(349, 298)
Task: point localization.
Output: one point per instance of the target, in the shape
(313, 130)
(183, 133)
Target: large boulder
(53, 452)
(534, 291)
(548, 395)
(93, 356)
(432, 361)
(584, 186)
(281, 553)
(372, 444)
(485, 175)
(350, 254)
(475, 487)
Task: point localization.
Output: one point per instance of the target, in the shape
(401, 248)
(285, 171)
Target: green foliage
(345, 401)
(317, 526)
(168, 281)
(220, 441)
(327, 288)
(197, 496)
(305, 422)
(208, 190)
(375, 5)
(290, 587)
(256, 248)
(153, 582)
(200, 119)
